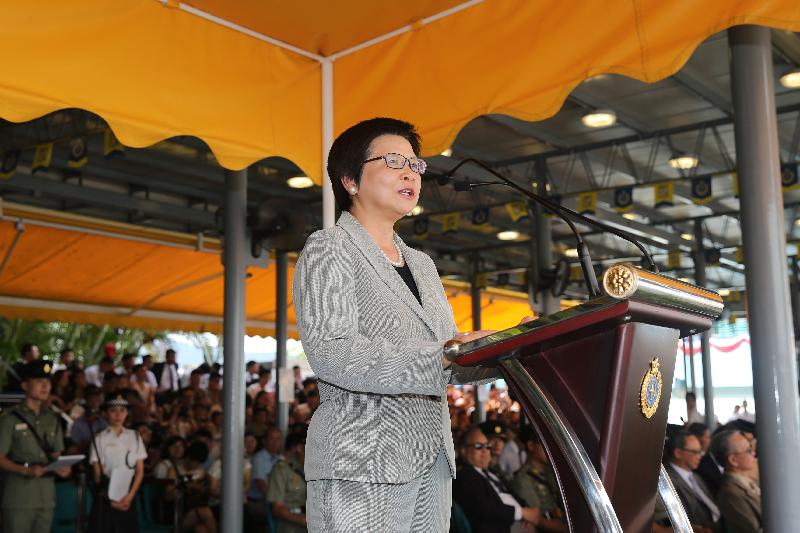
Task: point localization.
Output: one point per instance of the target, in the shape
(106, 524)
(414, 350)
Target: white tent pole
(328, 201)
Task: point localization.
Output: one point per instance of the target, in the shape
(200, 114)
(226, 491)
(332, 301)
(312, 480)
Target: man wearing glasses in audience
(684, 458)
(484, 498)
(739, 496)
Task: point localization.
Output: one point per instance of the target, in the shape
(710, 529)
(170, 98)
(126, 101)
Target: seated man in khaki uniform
(536, 484)
(30, 439)
(287, 487)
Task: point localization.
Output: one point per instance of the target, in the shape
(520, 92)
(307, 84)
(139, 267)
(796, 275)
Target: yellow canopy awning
(71, 268)
(245, 76)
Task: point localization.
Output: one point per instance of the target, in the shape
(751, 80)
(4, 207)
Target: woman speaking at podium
(374, 318)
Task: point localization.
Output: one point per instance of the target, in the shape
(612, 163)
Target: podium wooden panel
(590, 363)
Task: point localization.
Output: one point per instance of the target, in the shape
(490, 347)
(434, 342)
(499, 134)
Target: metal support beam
(475, 294)
(764, 238)
(24, 181)
(548, 304)
(281, 328)
(328, 201)
(234, 258)
(705, 347)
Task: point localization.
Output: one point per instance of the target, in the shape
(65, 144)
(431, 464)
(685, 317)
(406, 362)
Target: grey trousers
(421, 505)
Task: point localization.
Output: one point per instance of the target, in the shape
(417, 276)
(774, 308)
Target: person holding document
(30, 439)
(118, 456)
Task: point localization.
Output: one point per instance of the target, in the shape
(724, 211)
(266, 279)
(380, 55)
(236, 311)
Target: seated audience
(739, 495)
(484, 498)
(684, 453)
(287, 487)
(535, 483)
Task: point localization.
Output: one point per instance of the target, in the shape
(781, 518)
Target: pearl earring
(352, 190)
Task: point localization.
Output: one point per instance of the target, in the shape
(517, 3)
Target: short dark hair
(698, 429)
(351, 149)
(197, 451)
(27, 347)
(720, 447)
(128, 355)
(169, 352)
(294, 438)
(66, 350)
(678, 441)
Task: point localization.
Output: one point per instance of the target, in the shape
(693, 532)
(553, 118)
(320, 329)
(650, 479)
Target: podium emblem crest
(650, 394)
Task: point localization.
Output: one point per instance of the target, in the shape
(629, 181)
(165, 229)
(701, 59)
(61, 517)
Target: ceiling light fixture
(447, 153)
(571, 252)
(600, 118)
(629, 216)
(508, 235)
(299, 182)
(418, 210)
(791, 79)
(683, 161)
(723, 292)
(687, 236)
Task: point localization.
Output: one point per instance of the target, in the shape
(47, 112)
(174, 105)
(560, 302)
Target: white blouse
(117, 451)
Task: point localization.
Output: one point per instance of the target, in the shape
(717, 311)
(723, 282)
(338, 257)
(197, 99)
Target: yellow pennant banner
(111, 145)
(42, 156)
(663, 193)
(451, 222)
(674, 259)
(587, 203)
(517, 210)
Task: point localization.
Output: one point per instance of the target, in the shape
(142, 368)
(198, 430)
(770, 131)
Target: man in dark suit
(739, 496)
(708, 469)
(484, 498)
(684, 458)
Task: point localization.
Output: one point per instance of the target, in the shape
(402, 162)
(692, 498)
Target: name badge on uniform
(22, 426)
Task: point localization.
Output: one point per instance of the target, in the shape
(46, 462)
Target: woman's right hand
(467, 336)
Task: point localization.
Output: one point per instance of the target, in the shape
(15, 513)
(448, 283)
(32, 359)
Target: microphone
(567, 215)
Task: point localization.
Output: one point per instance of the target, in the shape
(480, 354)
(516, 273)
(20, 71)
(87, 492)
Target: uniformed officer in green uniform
(30, 438)
(287, 487)
(535, 482)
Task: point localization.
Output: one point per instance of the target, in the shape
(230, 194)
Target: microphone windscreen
(462, 185)
(442, 180)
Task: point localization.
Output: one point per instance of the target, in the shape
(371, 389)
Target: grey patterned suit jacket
(377, 352)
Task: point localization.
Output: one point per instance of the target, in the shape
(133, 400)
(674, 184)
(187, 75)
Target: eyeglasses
(398, 161)
(693, 452)
(749, 451)
(480, 446)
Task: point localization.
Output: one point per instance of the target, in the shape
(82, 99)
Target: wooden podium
(595, 380)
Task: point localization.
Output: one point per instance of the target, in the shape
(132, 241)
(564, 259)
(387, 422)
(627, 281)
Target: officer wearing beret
(30, 438)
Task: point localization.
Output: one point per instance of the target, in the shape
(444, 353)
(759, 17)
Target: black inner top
(405, 273)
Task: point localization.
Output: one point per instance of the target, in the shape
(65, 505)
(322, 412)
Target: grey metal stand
(672, 503)
(763, 231)
(281, 335)
(235, 248)
(605, 517)
(475, 294)
(705, 347)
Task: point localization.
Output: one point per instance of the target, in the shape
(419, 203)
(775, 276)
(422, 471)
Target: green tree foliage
(87, 340)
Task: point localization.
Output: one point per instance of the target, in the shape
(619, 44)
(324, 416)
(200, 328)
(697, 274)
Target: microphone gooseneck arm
(566, 215)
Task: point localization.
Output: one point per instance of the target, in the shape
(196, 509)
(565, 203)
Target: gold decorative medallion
(650, 393)
(620, 281)
(46, 369)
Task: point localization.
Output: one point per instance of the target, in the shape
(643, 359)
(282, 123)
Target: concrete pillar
(705, 347)
(475, 293)
(764, 240)
(234, 259)
(281, 335)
